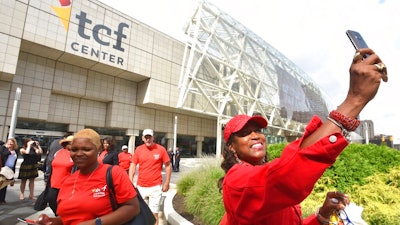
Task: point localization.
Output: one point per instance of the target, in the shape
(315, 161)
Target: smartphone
(26, 221)
(356, 39)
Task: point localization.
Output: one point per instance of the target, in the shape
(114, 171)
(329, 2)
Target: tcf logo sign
(64, 13)
(119, 33)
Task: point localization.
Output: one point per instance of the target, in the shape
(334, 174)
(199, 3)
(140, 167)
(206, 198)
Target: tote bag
(41, 201)
(145, 217)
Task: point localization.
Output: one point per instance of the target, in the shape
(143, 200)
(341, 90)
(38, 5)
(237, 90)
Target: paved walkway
(24, 209)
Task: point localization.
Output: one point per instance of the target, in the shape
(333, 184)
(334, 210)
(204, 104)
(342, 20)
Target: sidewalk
(24, 209)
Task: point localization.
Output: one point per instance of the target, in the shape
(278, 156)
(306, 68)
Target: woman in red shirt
(84, 196)
(62, 165)
(125, 158)
(256, 192)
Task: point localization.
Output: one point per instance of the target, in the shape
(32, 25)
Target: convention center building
(68, 65)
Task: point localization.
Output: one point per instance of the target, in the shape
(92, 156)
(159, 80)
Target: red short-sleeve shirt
(85, 196)
(150, 163)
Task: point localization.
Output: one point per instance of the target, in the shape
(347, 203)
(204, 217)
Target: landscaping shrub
(370, 174)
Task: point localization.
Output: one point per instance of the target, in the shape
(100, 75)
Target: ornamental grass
(370, 174)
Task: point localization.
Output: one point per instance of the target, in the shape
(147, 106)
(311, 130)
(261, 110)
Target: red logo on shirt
(99, 192)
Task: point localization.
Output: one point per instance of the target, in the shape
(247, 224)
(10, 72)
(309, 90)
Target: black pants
(176, 164)
(171, 160)
(3, 194)
(52, 199)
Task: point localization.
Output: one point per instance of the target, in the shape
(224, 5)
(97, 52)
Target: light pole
(175, 135)
(14, 113)
(366, 133)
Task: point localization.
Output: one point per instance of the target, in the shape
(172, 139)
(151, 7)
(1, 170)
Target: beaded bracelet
(322, 220)
(347, 123)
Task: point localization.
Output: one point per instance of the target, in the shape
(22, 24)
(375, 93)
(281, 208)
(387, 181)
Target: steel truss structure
(229, 70)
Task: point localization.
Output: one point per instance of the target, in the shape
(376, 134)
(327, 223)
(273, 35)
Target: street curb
(171, 215)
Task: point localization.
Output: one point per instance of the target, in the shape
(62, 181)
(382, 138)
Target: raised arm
(365, 79)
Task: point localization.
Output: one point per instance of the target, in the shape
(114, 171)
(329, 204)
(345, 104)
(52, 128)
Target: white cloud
(309, 32)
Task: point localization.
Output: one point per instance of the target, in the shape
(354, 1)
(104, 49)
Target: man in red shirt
(125, 158)
(151, 157)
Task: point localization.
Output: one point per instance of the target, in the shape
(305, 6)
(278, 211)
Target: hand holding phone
(26, 221)
(357, 40)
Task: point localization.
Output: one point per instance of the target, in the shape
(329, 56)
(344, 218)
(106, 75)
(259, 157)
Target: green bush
(370, 174)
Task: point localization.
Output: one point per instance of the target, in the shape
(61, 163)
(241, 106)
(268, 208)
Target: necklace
(76, 179)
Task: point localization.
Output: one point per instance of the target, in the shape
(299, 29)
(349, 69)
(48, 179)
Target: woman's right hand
(44, 219)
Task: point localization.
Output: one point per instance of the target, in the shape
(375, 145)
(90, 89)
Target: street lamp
(14, 113)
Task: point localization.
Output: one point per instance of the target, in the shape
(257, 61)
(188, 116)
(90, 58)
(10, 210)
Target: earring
(237, 158)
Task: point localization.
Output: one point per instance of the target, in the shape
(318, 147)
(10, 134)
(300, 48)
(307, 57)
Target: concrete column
(3, 132)
(199, 140)
(170, 140)
(132, 133)
(131, 144)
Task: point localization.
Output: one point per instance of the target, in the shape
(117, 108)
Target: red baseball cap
(239, 121)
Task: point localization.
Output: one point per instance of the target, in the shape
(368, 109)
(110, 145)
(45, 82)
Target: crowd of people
(83, 158)
(255, 190)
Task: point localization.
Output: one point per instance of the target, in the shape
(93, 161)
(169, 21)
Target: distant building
(366, 129)
(83, 64)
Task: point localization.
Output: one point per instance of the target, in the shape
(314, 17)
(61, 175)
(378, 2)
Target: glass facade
(229, 70)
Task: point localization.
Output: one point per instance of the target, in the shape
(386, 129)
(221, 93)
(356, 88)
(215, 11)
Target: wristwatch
(98, 221)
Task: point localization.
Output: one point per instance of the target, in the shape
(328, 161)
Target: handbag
(145, 216)
(6, 176)
(41, 201)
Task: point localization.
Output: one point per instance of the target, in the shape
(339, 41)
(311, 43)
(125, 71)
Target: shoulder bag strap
(110, 186)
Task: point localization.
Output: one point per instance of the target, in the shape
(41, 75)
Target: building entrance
(44, 137)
